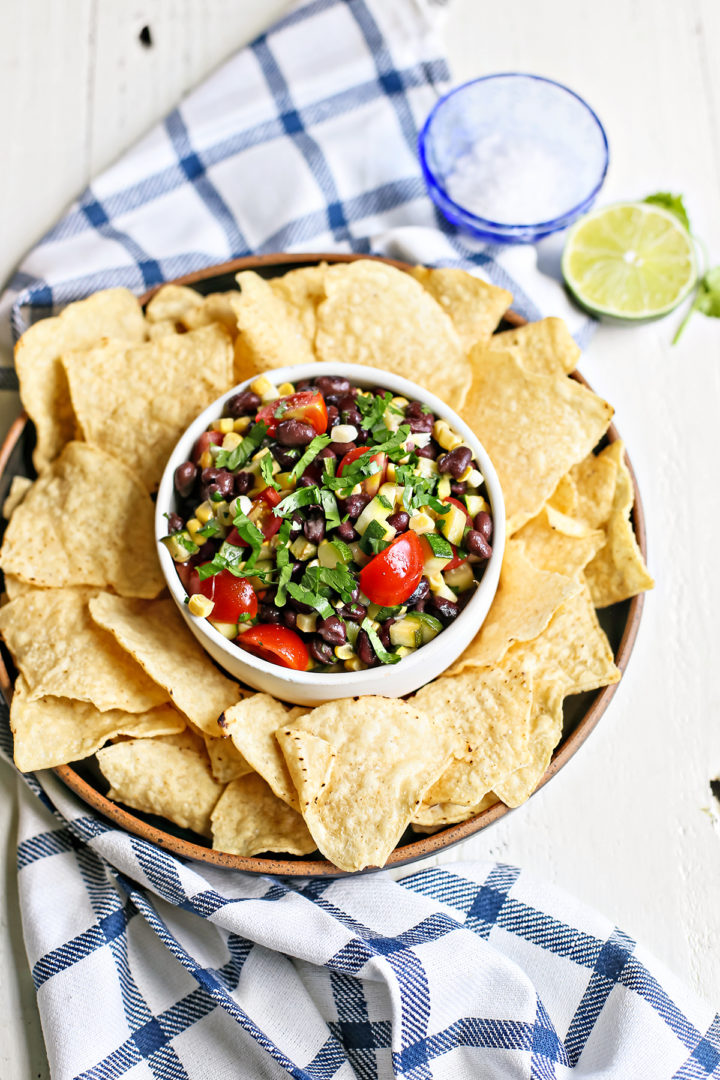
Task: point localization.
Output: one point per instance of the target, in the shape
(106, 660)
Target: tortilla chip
(572, 653)
(474, 306)
(54, 731)
(428, 818)
(534, 427)
(86, 521)
(226, 761)
(62, 653)
(249, 819)
(302, 290)
(14, 587)
(387, 755)
(491, 711)
(595, 480)
(546, 725)
(377, 315)
(272, 331)
(309, 760)
(546, 347)
(554, 542)
(155, 635)
(251, 724)
(564, 498)
(158, 388)
(113, 313)
(173, 304)
(618, 571)
(19, 487)
(157, 777)
(524, 603)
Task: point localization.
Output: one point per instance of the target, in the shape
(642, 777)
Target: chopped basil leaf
(312, 599)
(307, 496)
(282, 560)
(283, 580)
(186, 542)
(382, 501)
(381, 652)
(266, 468)
(233, 459)
(231, 553)
(311, 452)
(216, 497)
(212, 528)
(210, 569)
(251, 535)
(330, 508)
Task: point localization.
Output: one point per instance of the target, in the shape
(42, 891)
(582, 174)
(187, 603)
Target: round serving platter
(581, 712)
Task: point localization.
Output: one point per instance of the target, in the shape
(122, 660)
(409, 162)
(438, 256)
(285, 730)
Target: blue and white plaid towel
(149, 967)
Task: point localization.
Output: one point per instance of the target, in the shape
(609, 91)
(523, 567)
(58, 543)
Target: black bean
(476, 544)
(420, 605)
(484, 524)
(333, 630)
(346, 532)
(332, 384)
(456, 462)
(175, 523)
(342, 448)
(185, 478)
(321, 651)
(384, 633)
(314, 525)
(399, 521)
(289, 618)
(333, 417)
(458, 488)
(296, 524)
(285, 458)
(354, 612)
(354, 505)
(364, 649)
(430, 451)
(217, 480)
(243, 404)
(326, 452)
(465, 597)
(446, 610)
(294, 433)
(349, 411)
(421, 592)
(303, 384)
(243, 482)
(268, 613)
(297, 571)
(297, 605)
(312, 475)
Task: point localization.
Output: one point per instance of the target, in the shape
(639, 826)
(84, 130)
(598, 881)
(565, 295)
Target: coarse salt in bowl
(513, 157)
(311, 687)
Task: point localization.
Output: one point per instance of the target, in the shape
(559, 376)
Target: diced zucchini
(227, 629)
(358, 554)
(377, 531)
(378, 509)
(302, 549)
(436, 555)
(453, 524)
(426, 467)
(180, 546)
(460, 578)
(404, 650)
(438, 586)
(392, 492)
(352, 629)
(407, 631)
(332, 552)
(223, 514)
(429, 625)
(308, 622)
(444, 490)
(420, 522)
(475, 504)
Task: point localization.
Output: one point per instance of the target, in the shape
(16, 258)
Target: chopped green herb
(212, 528)
(311, 452)
(251, 535)
(266, 468)
(312, 599)
(307, 496)
(381, 652)
(282, 560)
(330, 508)
(233, 459)
(187, 543)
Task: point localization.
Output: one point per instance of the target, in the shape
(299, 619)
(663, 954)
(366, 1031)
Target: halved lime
(631, 261)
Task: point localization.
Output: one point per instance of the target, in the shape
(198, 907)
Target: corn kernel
(200, 605)
(284, 480)
(285, 388)
(390, 472)
(420, 522)
(355, 664)
(242, 424)
(307, 622)
(223, 425)
(192, 526)
(264, 389)
(344, 652)
(400, 402)
(205, 459)
(204, 512)
(444, 434)
(231, 440)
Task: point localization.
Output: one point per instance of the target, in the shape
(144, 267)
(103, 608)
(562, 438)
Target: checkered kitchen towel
(146, 966)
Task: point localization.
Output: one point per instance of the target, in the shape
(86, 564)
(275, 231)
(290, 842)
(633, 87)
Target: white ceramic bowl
(308, 687)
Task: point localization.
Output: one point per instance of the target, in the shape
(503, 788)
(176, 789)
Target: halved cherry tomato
(457, 560)
(371, 484)
(207, 439)
(276, 644)
(233, 596)
(393, 575)
(307, 405)
(261, 515)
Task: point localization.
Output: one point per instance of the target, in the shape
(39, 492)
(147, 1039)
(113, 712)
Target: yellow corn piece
(444, 434)
(344, 652)
(192, 527)
(242, 424)
(200, 605)
(355, 664)
(264, 389)
(231, 440)
(205, 459)
(285, 388)
(204, 512)
(224, 424)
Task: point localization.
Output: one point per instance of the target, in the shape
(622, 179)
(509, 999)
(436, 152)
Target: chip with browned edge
(87, 520)
(155, 635)
(249, 818)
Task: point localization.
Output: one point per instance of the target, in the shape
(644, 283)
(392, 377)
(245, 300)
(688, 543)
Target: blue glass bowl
(513, 157)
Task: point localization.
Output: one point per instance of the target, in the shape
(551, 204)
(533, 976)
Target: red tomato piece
(233, 596)
(307, 405)
(276, 644)
(207, 439)
(262, 513)
(393, 575)
(371, 484)
(458, 560)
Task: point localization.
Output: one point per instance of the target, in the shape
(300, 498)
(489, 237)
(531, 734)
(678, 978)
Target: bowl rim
(510, 228)
(370, 680)
(426, 845)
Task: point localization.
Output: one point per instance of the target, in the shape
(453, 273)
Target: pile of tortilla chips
(105, 663)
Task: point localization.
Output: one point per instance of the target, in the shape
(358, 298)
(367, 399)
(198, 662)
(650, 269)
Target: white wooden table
(629, 825)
